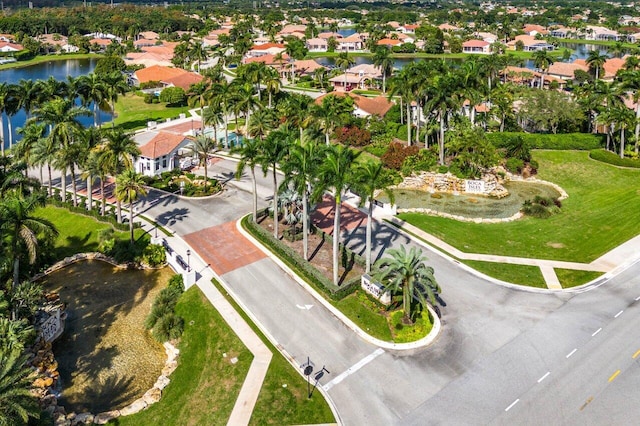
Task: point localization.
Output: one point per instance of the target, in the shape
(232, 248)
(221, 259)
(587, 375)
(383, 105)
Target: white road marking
(307, 307)
(571, 353)
(618, 314)
(544, 377)
(597, 331)
(637, 298)
(512, 404)
(355, 367)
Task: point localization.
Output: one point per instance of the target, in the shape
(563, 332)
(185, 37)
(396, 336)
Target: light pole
(188, 260)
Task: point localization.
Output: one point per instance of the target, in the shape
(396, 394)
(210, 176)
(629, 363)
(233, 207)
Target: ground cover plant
(599, 196)
(133, 113)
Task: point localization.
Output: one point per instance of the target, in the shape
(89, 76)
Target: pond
(106, 358)
(60, 70)
(473, 206)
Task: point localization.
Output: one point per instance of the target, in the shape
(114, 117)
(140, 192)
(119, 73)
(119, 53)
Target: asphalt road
(504, 356)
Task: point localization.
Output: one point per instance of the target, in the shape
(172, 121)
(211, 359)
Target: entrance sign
(375, 289)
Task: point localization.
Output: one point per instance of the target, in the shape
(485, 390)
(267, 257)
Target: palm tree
(369, 179)
(296, 110)
(596, 61)
(223, 95)
(130, 187)
(4, 93)
(382, 59)
(250, 155)
(198, 95)
(31, 135)
(92, 90)
(44, 152)
(542, 60)
(91, 138)
(262, 122)
(344, 62)
(273, 149)
(300, 172)
(407, 272)
(26, 95)
(115, 85)
(21, 228)
(630, 81)
(336, 173)
(118, 151)
(17, 402)
(623, 117)
(272, 84)
(502, 104)
(330, 113)
(201, 147)
(246, 103)
(65, 129)
(212, 116)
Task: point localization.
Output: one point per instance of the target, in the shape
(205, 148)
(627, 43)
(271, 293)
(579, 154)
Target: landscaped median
(363, 314)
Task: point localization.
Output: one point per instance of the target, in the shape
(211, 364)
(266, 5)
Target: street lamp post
(189, 260)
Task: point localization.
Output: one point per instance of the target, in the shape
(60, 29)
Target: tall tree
(369, 178)
(16, 400)
(382, 59)
(336, 173)
(115, 85)
(408, 272)
(596, 62)
(250, 157)
(201, 147)
(129, 187)
(92, 90)
(344, 62)
(542, 60)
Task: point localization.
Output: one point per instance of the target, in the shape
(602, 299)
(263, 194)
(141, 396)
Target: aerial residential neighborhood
(260, 212)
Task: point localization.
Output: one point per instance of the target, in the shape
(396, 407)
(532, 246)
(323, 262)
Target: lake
(59, 70)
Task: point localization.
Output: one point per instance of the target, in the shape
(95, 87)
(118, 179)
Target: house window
(164, 162)
(157, 164)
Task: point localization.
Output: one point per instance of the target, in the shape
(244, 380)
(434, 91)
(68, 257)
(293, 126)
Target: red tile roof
(379, 105)
(267, 46)
(475, 43)
(161, 144)
(388, 42)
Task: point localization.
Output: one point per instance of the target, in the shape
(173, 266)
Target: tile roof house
(352, 43)
(265, 49)
(388, 42)
(356, 77)
(476, 46)
(169, 77)
(566, 70)
(364, 106)
(10, 47)
(317, 45)
(160, 154)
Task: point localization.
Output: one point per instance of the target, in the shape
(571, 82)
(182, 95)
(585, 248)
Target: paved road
(496, 343)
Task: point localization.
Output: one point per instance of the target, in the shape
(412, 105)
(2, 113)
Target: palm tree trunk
(305, 225)
(269, 99)
(10, 128)
(368, 237)
(95, 114)
(406, 303)
(441, 141)
(408, 123)
(63, 184)
(622, 142)
(119, 211)
(50, 182)
(73, 186)
(104, 201)
(255, 195)
(113, 114)
(226, 130)
(275, 204)
(637, 130)
(384, 81)
(89, 193)
(326, 138)
(401, 109)
(502, 122)
(131, 222)
(336, 238)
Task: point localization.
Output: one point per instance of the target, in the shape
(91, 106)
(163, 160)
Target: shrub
(148, 98)
(154, 255)
(514, 165)
(157, 312)
(173, 96)
(579, 141)
(176, 282)
(541, 207)
(396, 153)
(353, 136)
(379, 145)
(613, 159)
(424, 160)
(168, 327)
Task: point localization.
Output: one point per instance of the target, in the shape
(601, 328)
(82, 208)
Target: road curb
(399, 348)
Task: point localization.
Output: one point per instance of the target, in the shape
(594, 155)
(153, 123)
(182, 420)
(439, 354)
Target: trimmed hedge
(578, 141)
(613, 158)
(299, 265)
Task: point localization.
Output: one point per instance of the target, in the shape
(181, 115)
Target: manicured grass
(206, 384)
(132, 113)
(276, 403)
(515, 274)
(595, 42)
(403, 333)
(602, 212)
(571, 278)
(48, 58)
(77, 233)
(364, 313)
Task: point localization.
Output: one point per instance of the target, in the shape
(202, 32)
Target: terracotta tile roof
(268, 59)
(475, 43)
(353, 38)
(161, 144)
(306, 66)
(566, 69)
(388, 42)
(149, 35)
(328, 35)
(100, 41)
(267, 46)
(158, 73)
(185, 80)
(379, 105)
(13, 46)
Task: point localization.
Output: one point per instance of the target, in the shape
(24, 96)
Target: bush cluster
(162, 320)
(578, 141)
(353, 136)
(154, 255)
(541, 207)
(396, 153)
(612, 158)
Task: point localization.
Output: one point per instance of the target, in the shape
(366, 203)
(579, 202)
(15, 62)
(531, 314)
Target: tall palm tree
(273, 149)
(16, 400)
(26, 95)
(223, 95)
(250, 156)
(130, 187)
(201, 147)
(4, 93)
(408, 272)
(369, 179)
(630, 82)
(44, 152)
(262, 122)
(212, 116)
(623, 118)
(92, 90)
(344, 62)
(65, 129)
(296, 110)
(300, 172)
(198, 95)
(91, 138)
(336, 173)
(246, 102)
(21, 228)
(272, 84)
(330, 113)
(596, 61)
(502, 104)
(542, 60)
(118, 151)
(31, 135)
(382, 59)
(115, 85)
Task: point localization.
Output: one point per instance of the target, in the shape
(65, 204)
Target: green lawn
(205, 385)
(602, 212)
(132, 113)
(48, 58)
(77, 233)
(517, 274)
(359, 309)
(571, 278)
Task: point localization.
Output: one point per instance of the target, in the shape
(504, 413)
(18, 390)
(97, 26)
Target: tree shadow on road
(171, 217)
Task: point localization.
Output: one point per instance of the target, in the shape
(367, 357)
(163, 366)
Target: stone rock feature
(438, 182)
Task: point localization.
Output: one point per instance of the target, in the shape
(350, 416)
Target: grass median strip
(572, 278)
(516, 274)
